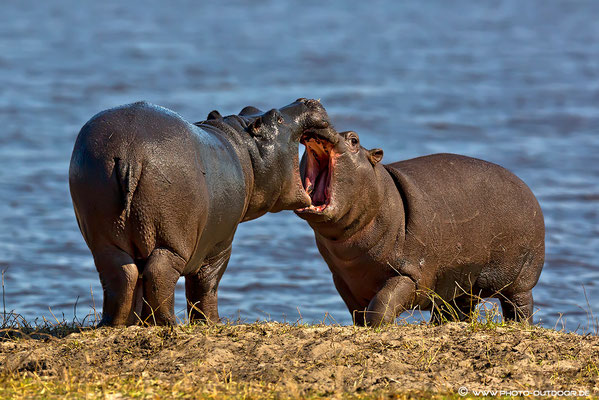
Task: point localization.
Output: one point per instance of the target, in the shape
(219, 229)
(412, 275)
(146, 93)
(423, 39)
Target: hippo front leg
(201, 288)
(396, 296)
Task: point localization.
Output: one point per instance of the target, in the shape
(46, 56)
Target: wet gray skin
(157, 197)
(431, 232)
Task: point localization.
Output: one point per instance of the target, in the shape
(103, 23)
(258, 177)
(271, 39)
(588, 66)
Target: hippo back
(142, 177)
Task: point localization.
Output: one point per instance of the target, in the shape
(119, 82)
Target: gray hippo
(157, 198)
(392, 235)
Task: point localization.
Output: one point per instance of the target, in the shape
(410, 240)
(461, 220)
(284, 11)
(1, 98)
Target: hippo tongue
(319, 197)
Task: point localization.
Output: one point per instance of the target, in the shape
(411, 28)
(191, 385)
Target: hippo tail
(128, 174)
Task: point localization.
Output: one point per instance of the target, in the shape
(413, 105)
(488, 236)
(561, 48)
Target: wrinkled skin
(157, 198)
(392, 235)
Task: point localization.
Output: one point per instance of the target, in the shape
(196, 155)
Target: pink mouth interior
(317, 175)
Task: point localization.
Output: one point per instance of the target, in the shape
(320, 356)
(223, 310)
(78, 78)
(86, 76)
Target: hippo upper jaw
(303, 116)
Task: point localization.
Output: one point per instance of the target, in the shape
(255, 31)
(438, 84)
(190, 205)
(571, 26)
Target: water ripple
(516, 83)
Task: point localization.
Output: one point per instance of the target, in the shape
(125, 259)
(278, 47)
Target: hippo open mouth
(317, 171)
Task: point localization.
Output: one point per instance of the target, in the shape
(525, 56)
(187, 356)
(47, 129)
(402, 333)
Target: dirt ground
(280, 360)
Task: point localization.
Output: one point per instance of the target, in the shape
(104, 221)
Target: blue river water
(512, 82)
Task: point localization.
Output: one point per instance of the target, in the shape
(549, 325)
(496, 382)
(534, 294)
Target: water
(512, 82)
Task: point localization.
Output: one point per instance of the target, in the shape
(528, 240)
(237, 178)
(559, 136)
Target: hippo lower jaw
(316, 176)
(295, 197)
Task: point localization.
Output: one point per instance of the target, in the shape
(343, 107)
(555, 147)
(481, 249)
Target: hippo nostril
(312, 103)
(302, 100)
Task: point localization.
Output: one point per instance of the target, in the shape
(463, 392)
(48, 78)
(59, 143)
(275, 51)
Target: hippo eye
(352, 140)
(280, 120)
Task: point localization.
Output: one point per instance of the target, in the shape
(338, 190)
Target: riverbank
(276, 360)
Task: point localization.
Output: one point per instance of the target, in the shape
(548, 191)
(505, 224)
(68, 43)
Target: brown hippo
(446, 224)
(157, 198)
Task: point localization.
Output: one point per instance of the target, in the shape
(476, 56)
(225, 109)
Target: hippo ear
(214, 115)
(375, 156)
(255, 126)
(249, 110)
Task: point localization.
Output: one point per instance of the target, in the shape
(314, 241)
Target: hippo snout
(318, 118)
(312, 103)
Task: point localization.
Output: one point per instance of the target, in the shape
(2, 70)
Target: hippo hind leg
(160, 275)
(201, 288)
(518, 306)
(119, 278)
